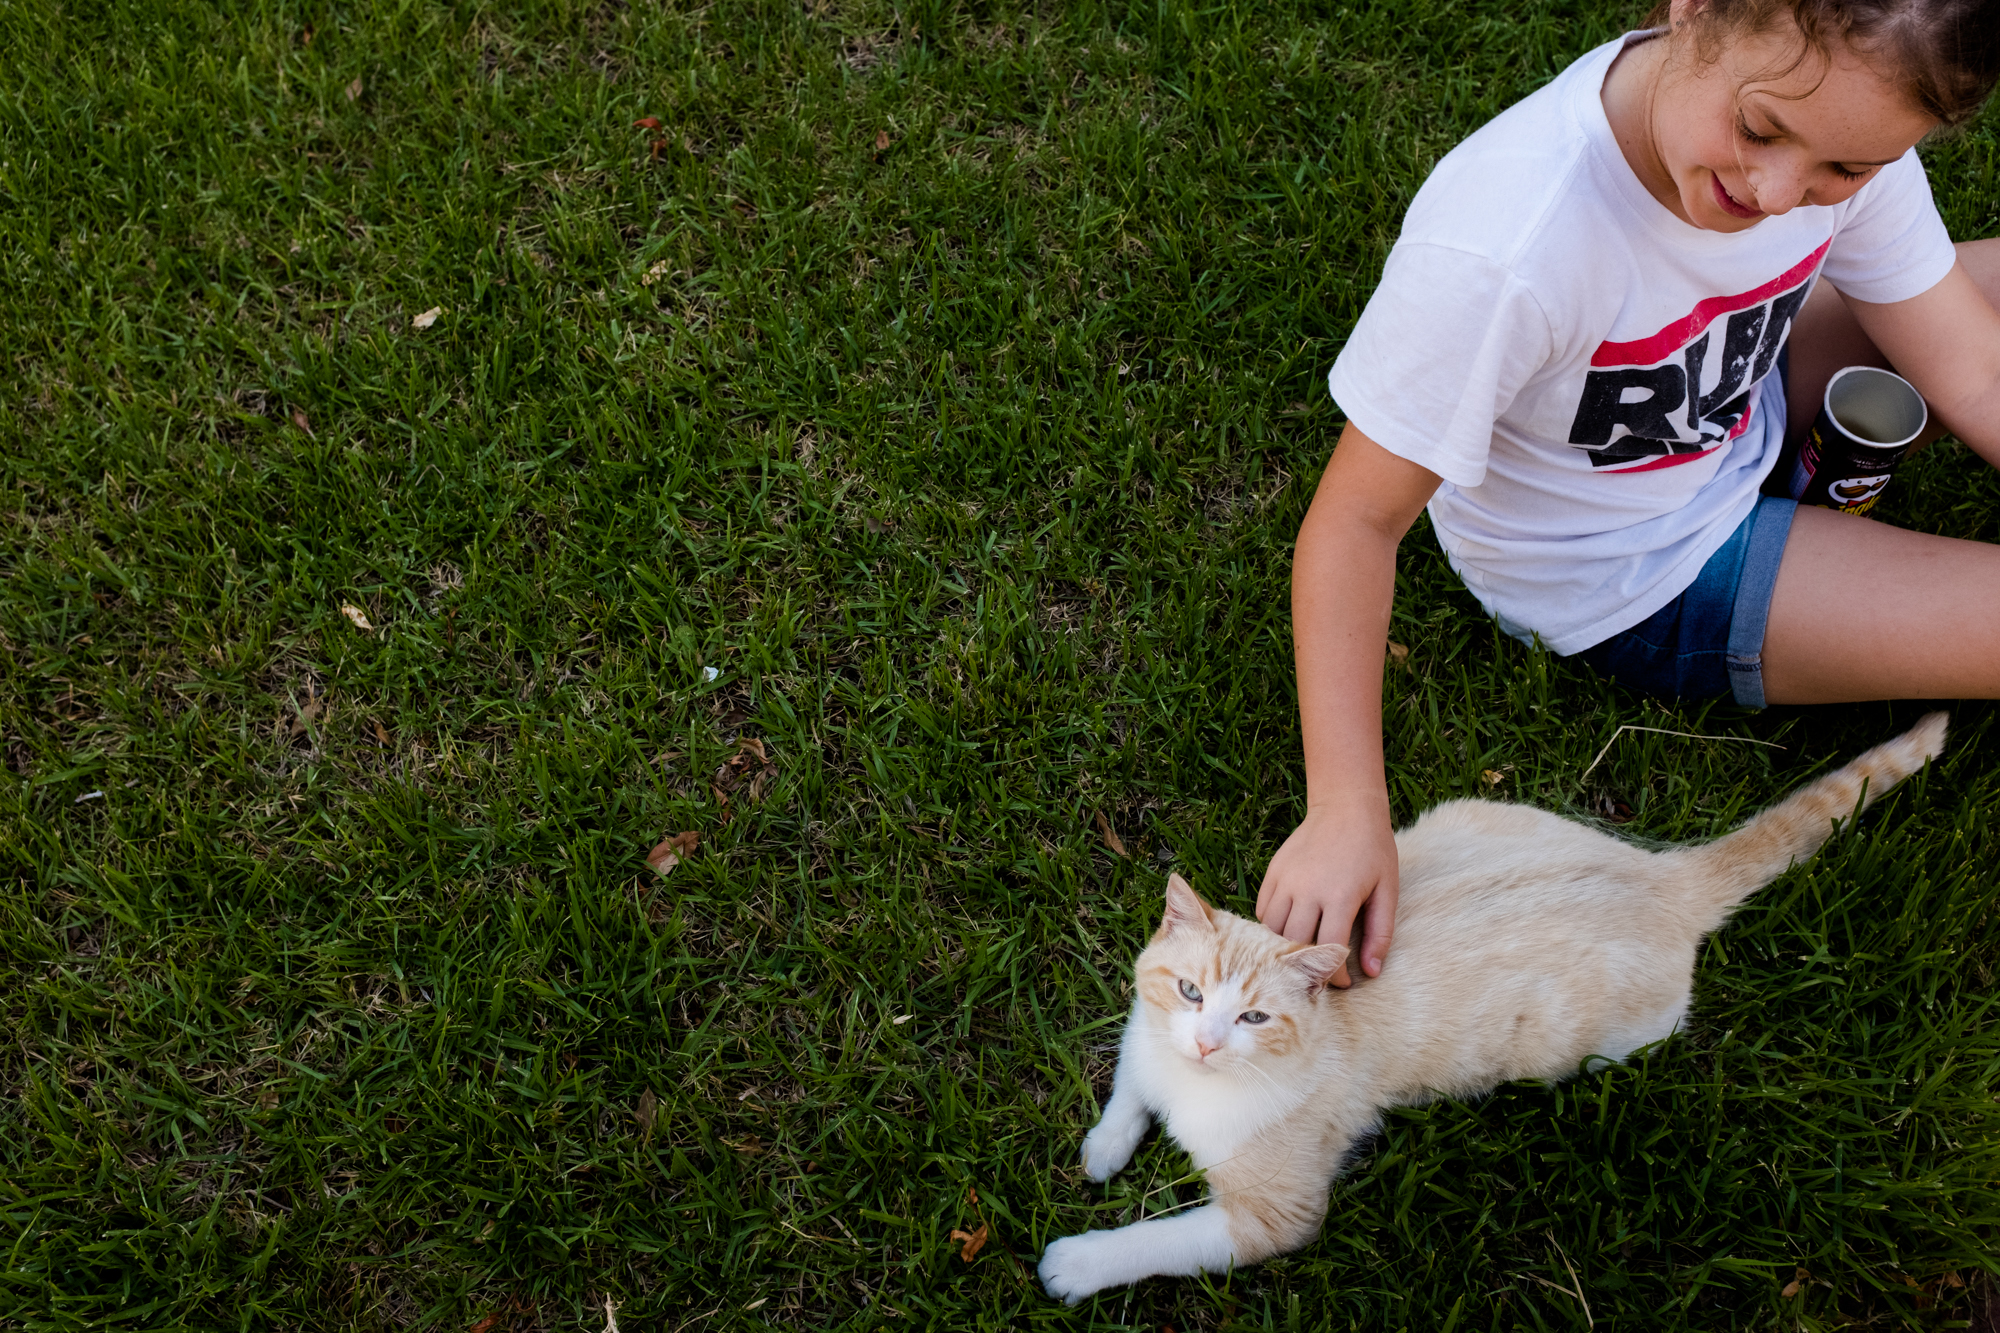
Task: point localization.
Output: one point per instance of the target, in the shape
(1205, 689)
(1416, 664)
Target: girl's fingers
(1273, 908)
(1338, 928)
(1302, 922)
(1379, 929)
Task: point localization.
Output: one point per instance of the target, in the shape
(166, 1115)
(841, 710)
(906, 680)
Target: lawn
(931, 397)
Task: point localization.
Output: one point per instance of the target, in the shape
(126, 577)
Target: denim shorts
(1710, 639)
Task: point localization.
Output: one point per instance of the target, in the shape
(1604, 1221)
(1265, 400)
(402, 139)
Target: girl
(1605, 310)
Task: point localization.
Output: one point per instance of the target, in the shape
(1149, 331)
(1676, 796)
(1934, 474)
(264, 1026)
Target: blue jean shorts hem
(1710, 640)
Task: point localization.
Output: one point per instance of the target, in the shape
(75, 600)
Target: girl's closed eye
(1748, 135)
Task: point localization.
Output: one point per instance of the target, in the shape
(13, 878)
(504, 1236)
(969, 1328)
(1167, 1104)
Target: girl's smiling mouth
(1727, 201)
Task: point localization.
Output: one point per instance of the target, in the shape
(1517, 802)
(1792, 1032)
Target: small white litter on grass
(88, 796)
(355, 614)
(902, 1019)
(709, 673)
(428, 318)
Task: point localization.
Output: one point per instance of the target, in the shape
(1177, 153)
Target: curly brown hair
(1946, 52)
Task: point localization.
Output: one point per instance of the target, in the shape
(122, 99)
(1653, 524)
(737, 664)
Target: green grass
(335, 980)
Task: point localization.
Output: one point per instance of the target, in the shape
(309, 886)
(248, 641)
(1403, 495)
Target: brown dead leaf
(306, 37)
(354, 89)
(646, 123)
(672, 851)
(299, 420)
(878, 526)
(751, 764)
(975, 1241)
(381, 736)
(1952, 1280)
(485, 1325)
(304, 715)
(971, 1194)
(881, 141)
(428, 318)
(356, 616)
(1926, 1295)
(1491, 778)
(656, 148)
(1799, 1278)
(1111, 838)
(649, 1110)
(1399, 654)
(751, 1146)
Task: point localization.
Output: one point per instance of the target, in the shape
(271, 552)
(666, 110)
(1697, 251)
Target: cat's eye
(1190, 993)
(1253, 1016)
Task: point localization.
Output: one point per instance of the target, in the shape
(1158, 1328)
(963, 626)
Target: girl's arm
(1343, 856)
(1947, 343)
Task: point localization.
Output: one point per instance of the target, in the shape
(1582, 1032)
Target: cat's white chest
(1214, 1116)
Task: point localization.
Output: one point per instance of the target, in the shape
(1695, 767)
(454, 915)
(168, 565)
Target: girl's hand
(1335, 865)
(1341, 862)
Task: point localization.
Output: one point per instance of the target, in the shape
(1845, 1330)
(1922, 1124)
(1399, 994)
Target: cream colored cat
(1525, 945)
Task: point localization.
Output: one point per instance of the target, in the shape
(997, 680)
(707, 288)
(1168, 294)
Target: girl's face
(1732, 144)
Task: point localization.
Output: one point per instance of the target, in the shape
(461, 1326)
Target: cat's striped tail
(1738, 864)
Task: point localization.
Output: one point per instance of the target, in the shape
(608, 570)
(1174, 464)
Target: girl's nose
(1780, 187)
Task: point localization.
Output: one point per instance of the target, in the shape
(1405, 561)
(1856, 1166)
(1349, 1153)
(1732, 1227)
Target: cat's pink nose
(1206, 1048)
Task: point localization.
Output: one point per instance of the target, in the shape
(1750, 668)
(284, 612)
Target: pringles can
(1865, 426)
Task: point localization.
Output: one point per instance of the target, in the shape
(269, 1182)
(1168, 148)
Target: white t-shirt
(1535, 336)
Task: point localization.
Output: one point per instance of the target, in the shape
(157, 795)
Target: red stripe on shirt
(1648, 351)
(1743, 421)
(1670, 460)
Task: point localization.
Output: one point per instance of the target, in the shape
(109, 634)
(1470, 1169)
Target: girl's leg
(1862, 610)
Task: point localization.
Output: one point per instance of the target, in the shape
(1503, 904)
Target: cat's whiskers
(1277, 1172)
(1260, 1072)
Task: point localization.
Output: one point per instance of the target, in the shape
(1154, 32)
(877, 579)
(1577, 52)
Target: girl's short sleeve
(1444, 345)
(1892, 244)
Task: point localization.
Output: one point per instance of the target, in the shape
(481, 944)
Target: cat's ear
(1315, 964)
(1185, 909)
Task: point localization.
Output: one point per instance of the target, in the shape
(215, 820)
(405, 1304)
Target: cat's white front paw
(1109, 1146)
(1194, 1241)
(1076, 1266)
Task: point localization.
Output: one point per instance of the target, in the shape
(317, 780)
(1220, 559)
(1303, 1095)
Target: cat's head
(1221, 990)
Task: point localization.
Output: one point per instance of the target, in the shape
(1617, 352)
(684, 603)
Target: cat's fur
(1525, 945)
